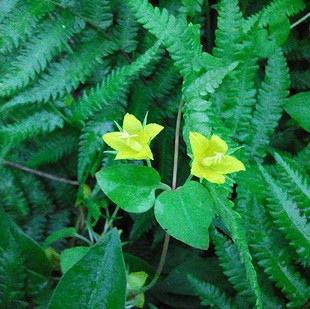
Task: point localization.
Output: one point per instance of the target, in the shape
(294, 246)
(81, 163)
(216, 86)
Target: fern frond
(181, 40)
(231, 220)
(287, 217)
(143, 223)
(35, 227)
(66, 75)
(267, 14)
(114, 85)
(274, 260)
(6, 8)
(228, 36)
(39, 51)
(232, 266)
(98, 12)
(38, 123)
(300, 79)
(21, 21)
(271, 97)
(52, 148)
(12, 278)
(191, 7)
(210, 294)
(297, 186)
(8, 189)
(91, 147)
(127, 32)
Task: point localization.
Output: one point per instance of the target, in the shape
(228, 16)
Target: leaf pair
(185, 213)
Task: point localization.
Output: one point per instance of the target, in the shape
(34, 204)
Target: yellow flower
(210, 159)
(133, 140)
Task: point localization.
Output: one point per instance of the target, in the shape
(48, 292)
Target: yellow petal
(197, 169)
(114, 141)
(217, 145)
(131, 124)
(144, 154)
(198, 142)
(228, 165)
(214, 176)
(151, 130)
(125, 155)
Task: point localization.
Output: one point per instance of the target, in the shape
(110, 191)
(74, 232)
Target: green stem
(189, 178)
(164, 187)
(148, 162)
(173, 187)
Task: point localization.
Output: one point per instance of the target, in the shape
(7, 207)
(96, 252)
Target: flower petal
(131, 124)
(197, 169)
(114, 141)
(228, 165)
(125, 155)
(198, 142)
(213, 176)
(217, 145)
(151, 130)
(145, 154)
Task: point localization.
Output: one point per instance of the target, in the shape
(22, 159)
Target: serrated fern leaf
(228, 36)
(271, 97)
(98, 12)
(300, 79)
(21, 21)
(232, 221)
(231, 264)
(10, 188)
(210, 294)
(39, 51)
(115, 84)
(181, 40)
(66, 75)
(275, 261)
(267, 14)
(53, 148)
(91, 147)
(297, 186)
(38, 123)
(143, 223)
(127, 32)
(287, 217)
(12, 278)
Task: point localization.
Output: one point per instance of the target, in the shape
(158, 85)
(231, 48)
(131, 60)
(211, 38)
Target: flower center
(212, 160)
(127, 136)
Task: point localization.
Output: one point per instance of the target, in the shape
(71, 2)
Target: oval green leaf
(186, 214)
(129, 186)
(298, 107)
(97, 280)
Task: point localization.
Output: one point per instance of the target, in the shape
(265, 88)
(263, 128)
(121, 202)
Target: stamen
(212, 160)
(126, 135)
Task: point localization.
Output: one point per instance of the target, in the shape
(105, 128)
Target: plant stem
(41, 174)
(173, 187)
(160, 265)
(300, 20)
(176, 147)
(149, 163)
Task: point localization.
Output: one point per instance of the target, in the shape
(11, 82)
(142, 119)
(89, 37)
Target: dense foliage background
(70, 68)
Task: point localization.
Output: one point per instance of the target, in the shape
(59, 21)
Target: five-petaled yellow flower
(210, 159)
(133, 140)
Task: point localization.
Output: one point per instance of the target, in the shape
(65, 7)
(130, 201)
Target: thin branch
(174, 182)
(176, 146)
(300, 21)
(38, 173)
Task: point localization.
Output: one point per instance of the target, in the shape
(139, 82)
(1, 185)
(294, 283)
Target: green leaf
(91, 282)
(298, 107)
(131, 187)
(35, 258)
(66, 232)
(71, 256)
(279, 29)
(186, 214)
